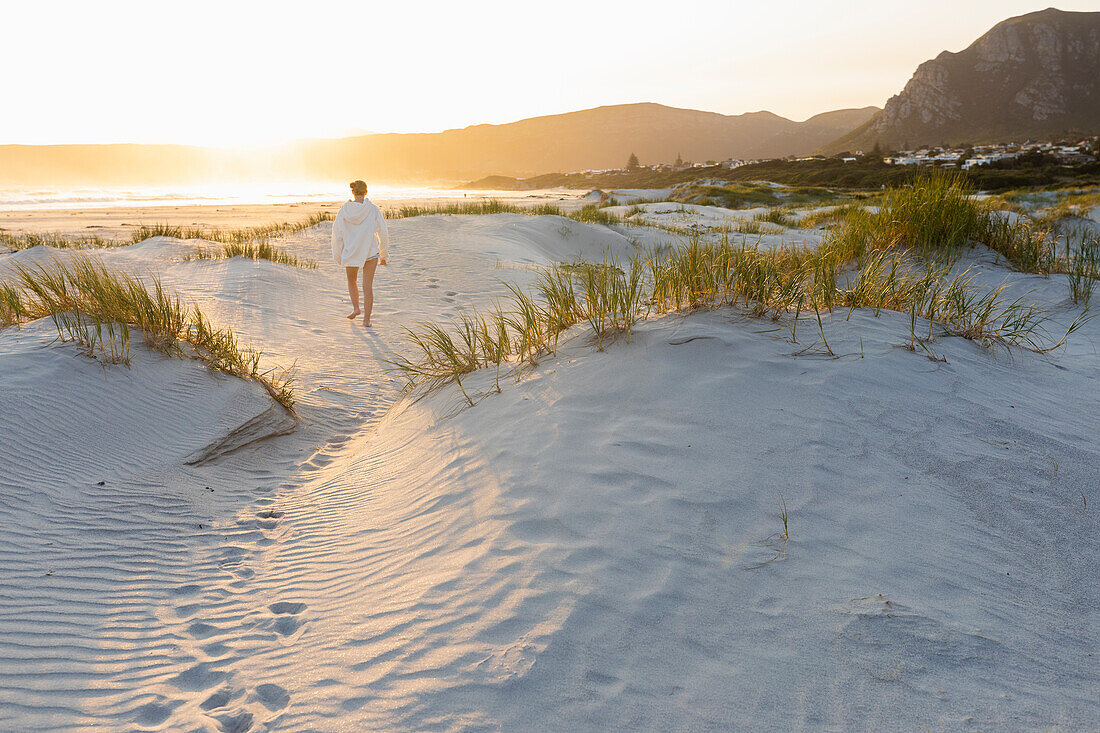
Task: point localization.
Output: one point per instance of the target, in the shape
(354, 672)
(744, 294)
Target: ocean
(33, 198)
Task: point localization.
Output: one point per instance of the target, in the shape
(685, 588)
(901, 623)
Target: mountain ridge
(599, 137)
(1029, 76)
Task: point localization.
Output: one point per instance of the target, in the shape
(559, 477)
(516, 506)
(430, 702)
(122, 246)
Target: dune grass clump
(592, 214)
(262, 250)
(1072, 205)
(935, 216)
(1083, 258)
(562, 306)
(1027, 245)
(588, 214)
(903, 252)
(11, 306)
(779, 215)
(833, 215)
(1014, 201)
(610, 299)
(731, 196)
(97, 308)
(607, 297)
(111, 340)
(26, 240)
(245, 241)
(236, 236)
(463, 208)
(745, 195)
(742, 226)
(954, 305)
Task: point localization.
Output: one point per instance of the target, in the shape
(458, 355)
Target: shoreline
(120, 221)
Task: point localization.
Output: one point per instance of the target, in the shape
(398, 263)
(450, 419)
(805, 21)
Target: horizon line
(289, 141)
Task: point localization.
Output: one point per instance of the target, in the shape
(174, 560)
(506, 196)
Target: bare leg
(353, 290)
(368, 289)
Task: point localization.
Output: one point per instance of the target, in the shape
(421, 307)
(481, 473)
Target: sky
(232, 73)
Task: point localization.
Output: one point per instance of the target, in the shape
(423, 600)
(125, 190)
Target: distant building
(987, 158)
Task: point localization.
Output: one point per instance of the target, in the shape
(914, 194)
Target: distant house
(987, 158)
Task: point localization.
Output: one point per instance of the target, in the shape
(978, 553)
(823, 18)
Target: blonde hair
(358, 187)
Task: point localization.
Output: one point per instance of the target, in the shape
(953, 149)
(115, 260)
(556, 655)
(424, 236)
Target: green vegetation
(243, 235)
(465, 208)
(902, 250)
(592, 214)
(246, 241)
(97, 308)
(831, 215)
(1071, 205)
(756, 225)
(780, 216)
(864, 173)
(745, 195)
(253, 250)
(11, 306)
(589, 214)
(640, 178)
(937, 216)
(1083, 257)
(26, 240)
(783, 517)
(870, 172)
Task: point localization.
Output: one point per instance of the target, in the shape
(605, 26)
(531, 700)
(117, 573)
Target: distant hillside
(603, 137)
(1035, 76)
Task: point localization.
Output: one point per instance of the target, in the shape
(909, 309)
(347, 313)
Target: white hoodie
(358, 234)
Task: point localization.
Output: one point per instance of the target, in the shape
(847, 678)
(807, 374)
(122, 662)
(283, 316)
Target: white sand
(593, 549)
(634, 195)
(710, 221)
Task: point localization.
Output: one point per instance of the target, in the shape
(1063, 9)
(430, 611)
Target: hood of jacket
(355, 212)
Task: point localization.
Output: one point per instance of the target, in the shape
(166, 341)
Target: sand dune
(595, 548)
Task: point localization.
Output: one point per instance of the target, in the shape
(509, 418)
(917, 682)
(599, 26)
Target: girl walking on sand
(359, 240)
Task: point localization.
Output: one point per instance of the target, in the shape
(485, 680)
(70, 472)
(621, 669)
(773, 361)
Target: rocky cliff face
(1037, 75)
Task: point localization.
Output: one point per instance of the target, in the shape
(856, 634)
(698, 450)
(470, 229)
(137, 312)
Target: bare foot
(366, 322)
(353, 315)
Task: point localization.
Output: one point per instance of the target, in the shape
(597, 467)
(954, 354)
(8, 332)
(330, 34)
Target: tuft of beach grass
(253, 242)
(98, 308)
(904, 252)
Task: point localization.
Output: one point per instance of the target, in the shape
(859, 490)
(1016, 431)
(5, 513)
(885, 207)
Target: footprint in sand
(201, 630)
(287, 607)
(186, 590)
(287, 622)
(272, 697)
(235, 723)
(199, 677)
(155, 713)
(216, 649)
(219, 699)
(189, 610)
